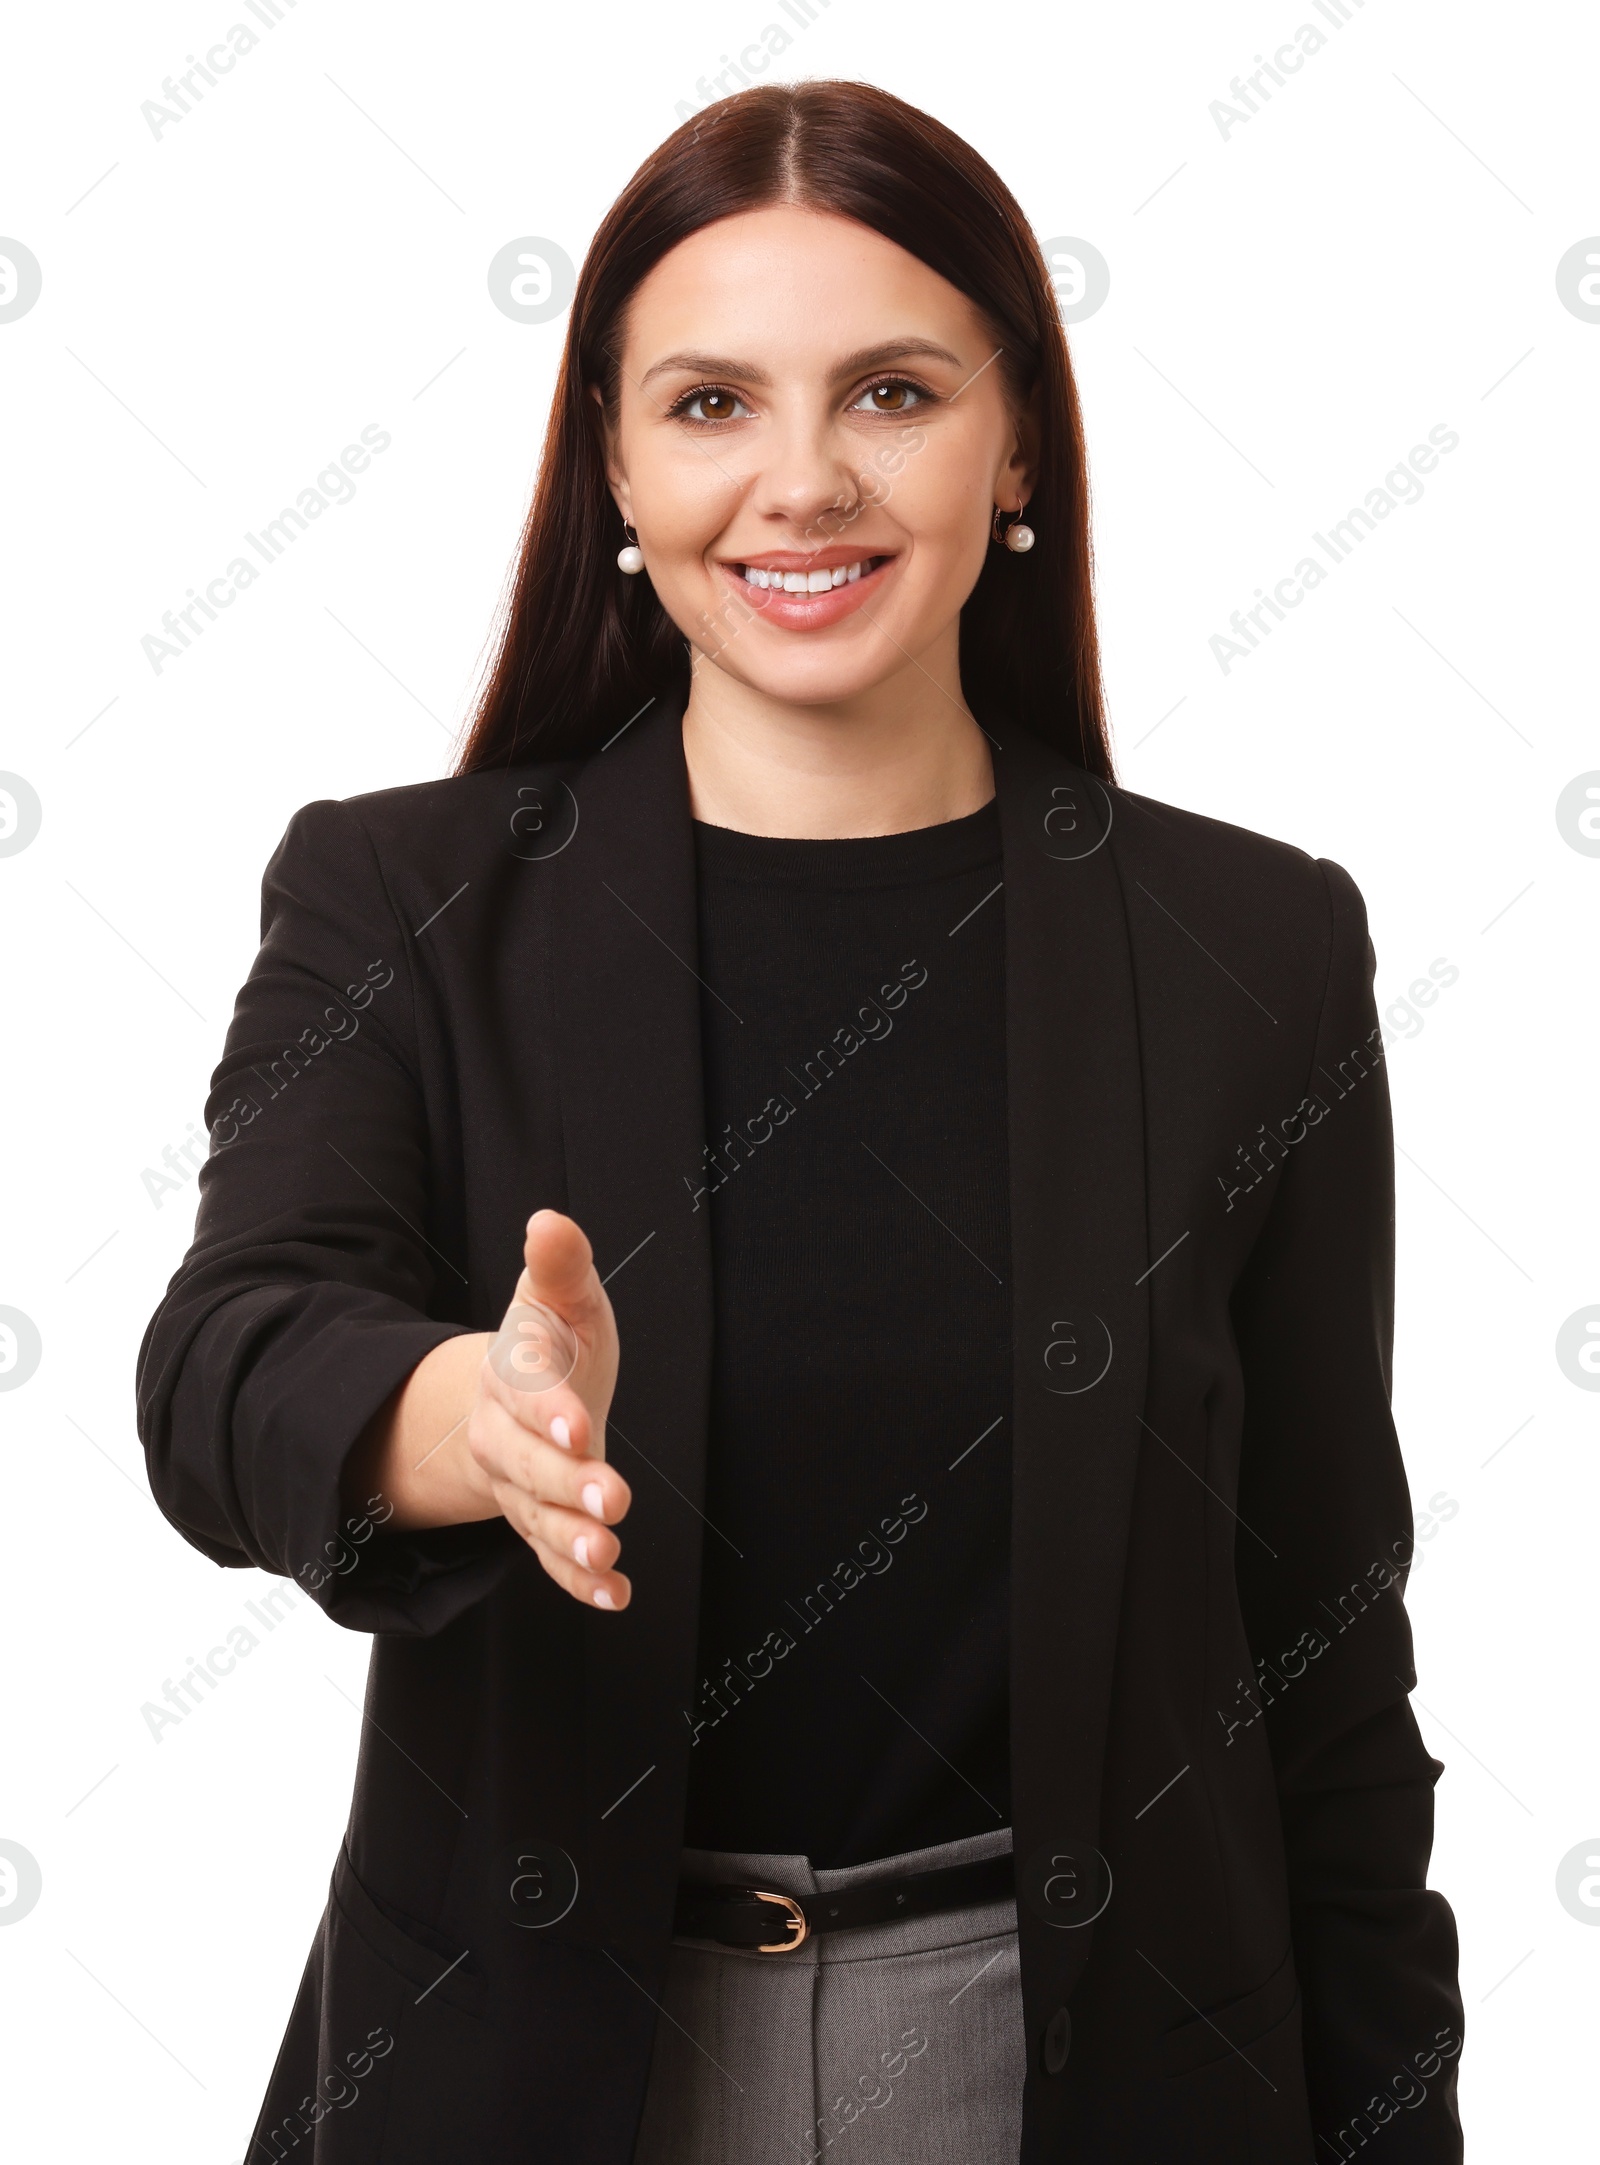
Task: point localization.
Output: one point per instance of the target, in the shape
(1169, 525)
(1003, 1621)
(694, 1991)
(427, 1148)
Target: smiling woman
(909, 291)
(797, 696)
(724, 457)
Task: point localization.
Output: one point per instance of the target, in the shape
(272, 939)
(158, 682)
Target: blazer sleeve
(311, 1289)
(1323, 1484)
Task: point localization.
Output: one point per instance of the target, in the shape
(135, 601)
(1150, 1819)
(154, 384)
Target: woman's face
(804, 403)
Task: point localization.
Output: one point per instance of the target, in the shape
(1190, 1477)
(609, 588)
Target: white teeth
(802, 582)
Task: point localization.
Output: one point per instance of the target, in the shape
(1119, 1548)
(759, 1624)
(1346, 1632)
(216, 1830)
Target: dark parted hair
(582, 646)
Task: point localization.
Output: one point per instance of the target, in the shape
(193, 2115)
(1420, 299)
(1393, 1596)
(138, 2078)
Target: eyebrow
(853, 364)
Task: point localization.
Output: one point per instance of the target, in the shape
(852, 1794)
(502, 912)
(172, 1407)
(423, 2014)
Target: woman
(958, 1288)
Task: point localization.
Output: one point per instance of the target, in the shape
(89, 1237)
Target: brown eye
(893, 396)
(709, 404)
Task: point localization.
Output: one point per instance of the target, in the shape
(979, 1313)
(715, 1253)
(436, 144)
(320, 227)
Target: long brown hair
(582, 647)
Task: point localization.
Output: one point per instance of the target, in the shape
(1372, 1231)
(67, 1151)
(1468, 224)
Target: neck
(905, 754)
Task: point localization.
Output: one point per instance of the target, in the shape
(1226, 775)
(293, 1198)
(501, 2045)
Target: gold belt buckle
(796, 1920)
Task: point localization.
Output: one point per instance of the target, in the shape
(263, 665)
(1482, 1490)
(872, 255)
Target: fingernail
(594, 1501)
(580, 1549)
(560, 1432)
(602, 1600)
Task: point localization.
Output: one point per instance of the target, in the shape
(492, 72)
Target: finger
(558, 1268)
(559, 1416)
(575, 1535)
(596, 1589)
(536, 1520)
(510, 1453)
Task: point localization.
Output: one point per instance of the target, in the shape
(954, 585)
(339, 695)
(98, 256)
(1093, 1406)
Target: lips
(807, 592)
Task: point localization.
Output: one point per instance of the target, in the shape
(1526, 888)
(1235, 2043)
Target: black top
(854, 1637)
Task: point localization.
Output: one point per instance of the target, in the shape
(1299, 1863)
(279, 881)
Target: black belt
(773, 1923)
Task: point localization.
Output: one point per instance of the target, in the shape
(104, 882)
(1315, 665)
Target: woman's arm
(413, 1452)
(298, 1324)
(1322, 1480)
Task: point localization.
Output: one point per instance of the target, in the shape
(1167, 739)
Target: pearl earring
(631, 558)
(1017, 537)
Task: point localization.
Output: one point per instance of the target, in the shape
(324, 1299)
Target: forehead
(796, 285)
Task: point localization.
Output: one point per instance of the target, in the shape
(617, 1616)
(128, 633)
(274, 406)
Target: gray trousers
(895, 2044)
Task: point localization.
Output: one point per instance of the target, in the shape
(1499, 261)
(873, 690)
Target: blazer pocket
(424, 1958)
(1234, 2026)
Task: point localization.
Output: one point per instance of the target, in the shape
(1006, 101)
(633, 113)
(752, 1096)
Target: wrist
(417, 1455)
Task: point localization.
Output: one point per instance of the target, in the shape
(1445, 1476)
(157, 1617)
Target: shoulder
(460, 809)
(400, 856)
(458, 820)
(1233, 872)
(1288, 926)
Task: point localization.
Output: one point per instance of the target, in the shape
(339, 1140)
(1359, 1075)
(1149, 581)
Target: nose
(807, 471)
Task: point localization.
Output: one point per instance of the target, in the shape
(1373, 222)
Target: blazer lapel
(1080, 1323)
(626, 1005)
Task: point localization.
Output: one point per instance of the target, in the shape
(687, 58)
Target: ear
(616, 474)
(1019, 471)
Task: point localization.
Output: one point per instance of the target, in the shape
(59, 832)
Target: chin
(811, 680)
(846, 661)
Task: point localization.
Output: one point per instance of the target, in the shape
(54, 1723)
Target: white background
(1291, 309)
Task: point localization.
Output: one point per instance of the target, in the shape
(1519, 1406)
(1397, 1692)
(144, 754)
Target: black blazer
(475, 997)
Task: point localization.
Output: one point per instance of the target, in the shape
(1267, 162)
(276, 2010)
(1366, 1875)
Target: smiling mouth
(807, 582)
